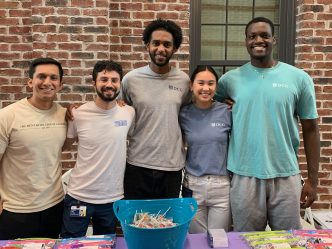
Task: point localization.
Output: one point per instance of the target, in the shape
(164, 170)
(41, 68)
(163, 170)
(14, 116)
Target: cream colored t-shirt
(101, 154)
(30, 151)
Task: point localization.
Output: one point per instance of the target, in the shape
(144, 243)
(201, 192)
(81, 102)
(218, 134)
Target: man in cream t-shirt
(32, 133)
(96, 181)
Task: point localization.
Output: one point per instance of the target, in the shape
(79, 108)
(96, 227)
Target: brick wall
(314, 55)
(80, 32)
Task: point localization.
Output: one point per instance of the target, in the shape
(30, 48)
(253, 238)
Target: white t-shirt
(102, 142)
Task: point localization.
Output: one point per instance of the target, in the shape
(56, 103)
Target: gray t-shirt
(206, 132)
(156, 141)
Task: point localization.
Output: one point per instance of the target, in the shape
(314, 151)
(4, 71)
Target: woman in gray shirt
(206, 127)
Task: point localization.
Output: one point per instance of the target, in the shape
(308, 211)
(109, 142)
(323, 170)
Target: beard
(107, 98)
(159, 64)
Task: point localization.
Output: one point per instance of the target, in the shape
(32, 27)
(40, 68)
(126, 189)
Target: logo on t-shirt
(279, 85)
(218, 125)
(118, 123)
(174, 88)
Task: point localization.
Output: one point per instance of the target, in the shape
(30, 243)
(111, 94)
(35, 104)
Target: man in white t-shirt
(32, 133)
(96, 181)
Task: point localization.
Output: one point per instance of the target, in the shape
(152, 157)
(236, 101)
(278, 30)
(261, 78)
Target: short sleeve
(306, 106)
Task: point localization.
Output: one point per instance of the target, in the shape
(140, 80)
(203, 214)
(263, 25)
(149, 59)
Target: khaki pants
(212, 195)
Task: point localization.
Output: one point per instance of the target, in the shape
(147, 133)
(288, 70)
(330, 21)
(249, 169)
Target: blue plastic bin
(182, 211)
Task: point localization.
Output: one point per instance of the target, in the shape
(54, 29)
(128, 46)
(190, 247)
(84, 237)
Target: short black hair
(201, 68)
(107, 65)
(260, 19)
(44, 61)
(167, 25)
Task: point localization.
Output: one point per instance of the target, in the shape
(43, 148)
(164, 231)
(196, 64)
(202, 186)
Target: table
(199, 241)
(193, 241)
(323, 218)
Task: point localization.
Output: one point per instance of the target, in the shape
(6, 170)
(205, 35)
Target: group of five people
(171, 123)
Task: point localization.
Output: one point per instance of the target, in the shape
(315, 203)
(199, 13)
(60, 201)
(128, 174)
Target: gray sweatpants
(256, 202)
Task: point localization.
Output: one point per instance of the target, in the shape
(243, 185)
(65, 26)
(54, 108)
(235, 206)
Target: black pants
(143, 183)
(43, 224)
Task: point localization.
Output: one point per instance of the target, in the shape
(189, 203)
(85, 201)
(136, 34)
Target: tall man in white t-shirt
(96, 181)
(32, 133)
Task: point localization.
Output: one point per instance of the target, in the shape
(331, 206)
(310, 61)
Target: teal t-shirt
(268, 103)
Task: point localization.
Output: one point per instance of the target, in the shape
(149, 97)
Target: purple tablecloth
(193, 241)
(199, 241)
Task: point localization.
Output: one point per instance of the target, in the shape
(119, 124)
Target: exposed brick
(71, 97)
(21, 64)
(72, 80)
(27, 21)
(4, 96)
(102, 55)
(68, 11)
(81, 20)
(43, 11)
(327, 167)
(96, 29)
(129, 23)
(177, 7)
(83, 38)
(9, 5)
(311, 24)
(21, 47)
(119, 14)
(70, 46)
(57, 54)
(57, 19)
(56, 3)
(102, 4)
(97, 47)
(327, 120)
(81, 55)
(95, 12)
(57, 38)
(80, 72)
(312, 8)
(84, 89)
(310, 57)
(10, 89)
(44, 28)
(82, 3)
(311, 40)
(131, 6)
(114, 6)
(103, 38)
(9, 56)
(19, 13)
(144, 15)
(168, 15)
(9, 21)
(70, 29)
(101, 21)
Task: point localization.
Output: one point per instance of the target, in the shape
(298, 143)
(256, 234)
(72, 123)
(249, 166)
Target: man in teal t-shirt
(269, 98)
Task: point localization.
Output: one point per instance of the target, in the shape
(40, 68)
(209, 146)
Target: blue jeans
(102, 216)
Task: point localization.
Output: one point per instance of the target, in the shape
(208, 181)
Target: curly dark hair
(107, 65)
(167, 25)
(44, 61)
